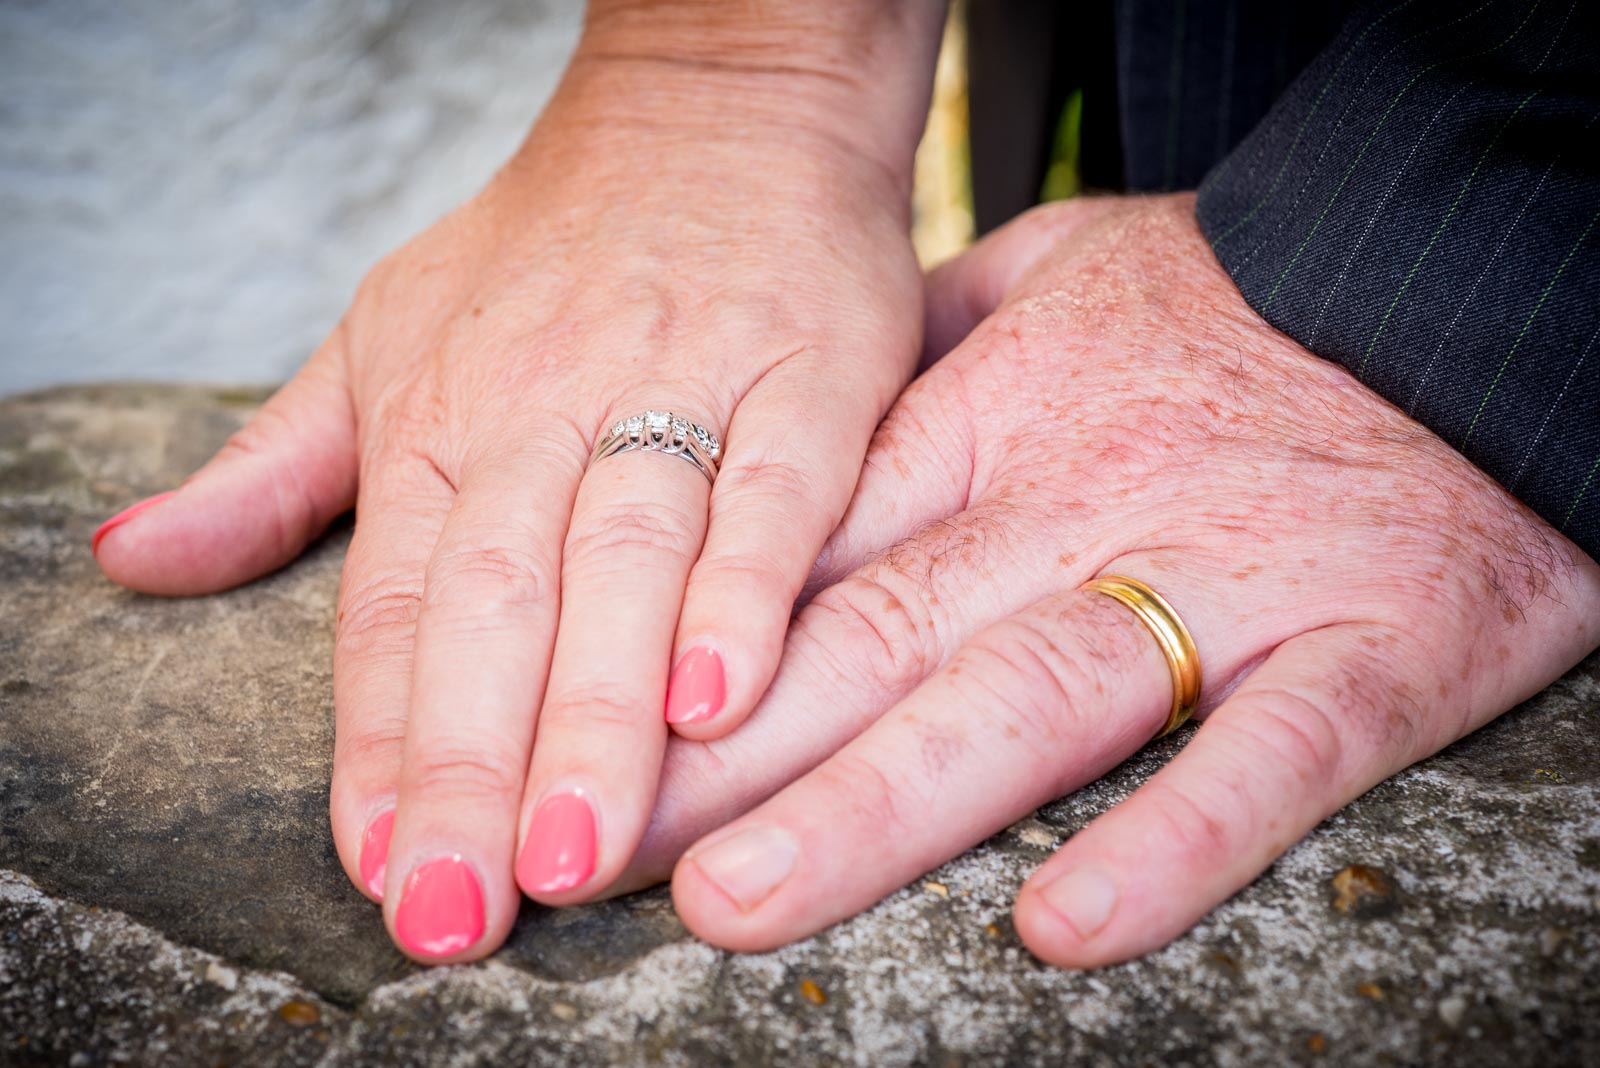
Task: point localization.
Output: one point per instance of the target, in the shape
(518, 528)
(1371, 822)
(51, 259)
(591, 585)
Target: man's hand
(1360, 595)
(709, 218)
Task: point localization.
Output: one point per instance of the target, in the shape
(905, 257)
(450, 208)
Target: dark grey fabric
(1409, 188)
(1420, 206)
(1194, 76)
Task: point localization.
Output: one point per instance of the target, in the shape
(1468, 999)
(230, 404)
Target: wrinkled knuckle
(1285, 730)
(620, 539)
(457, 773)
(490, 582)
(1192, 833)
(893, 632)
(778, 485)
(862, 788)
(752, 577)
(373, 744)
(1032, 679)
(596, 706)
(377, 619)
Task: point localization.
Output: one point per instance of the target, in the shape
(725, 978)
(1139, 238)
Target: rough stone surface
(173, 895)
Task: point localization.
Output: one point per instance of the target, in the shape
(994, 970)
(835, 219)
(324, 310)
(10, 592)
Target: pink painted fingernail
(1084, 898)
(123, 516)
(560, 850)
(749, 865)
(698, 686)
(375, 852)
(441, 908)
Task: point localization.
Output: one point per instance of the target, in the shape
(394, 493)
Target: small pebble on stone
(936, 889)
(1371, 990)
(222, 975)
(562, 1011)
(1452, 1009)
(1359, 888)
(1224, 960)
(812, 992)
(299, 1013)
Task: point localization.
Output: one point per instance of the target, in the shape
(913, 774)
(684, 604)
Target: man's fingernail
(560, 850)
(1084, 898)
(698, 686)
(375, 852)
(123, 516)
(750, 865)
(441, 908)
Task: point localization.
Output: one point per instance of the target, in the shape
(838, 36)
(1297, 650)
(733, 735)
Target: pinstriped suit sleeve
(1422, 205)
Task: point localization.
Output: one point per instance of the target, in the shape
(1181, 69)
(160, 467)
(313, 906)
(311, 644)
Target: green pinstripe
(1405, 284)
(1581, 491)
(1300, 131)
(1548, 286)
(1294, 145)
(1323, 214)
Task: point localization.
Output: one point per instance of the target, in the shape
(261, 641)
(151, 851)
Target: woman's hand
(710, 218)
(1360, 595)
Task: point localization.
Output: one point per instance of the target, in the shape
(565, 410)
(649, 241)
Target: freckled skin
(1360, 596)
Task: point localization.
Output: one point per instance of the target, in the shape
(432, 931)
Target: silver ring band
(655, 431)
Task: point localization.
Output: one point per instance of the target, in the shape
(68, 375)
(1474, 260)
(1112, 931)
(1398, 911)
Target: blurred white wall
(191, 189)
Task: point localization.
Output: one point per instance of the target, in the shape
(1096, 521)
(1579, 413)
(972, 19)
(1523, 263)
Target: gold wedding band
(1173, 637)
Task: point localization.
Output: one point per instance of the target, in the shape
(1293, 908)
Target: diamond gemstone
(635, 424)
(658, 421)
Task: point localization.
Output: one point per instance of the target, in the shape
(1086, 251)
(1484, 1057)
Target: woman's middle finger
(637, 526)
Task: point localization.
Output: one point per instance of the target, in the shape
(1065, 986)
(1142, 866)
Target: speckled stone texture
(172, 895)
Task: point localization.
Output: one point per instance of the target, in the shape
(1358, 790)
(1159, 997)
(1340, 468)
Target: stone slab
(171, 895)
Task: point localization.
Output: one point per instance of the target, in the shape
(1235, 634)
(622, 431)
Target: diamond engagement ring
(663, 432)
